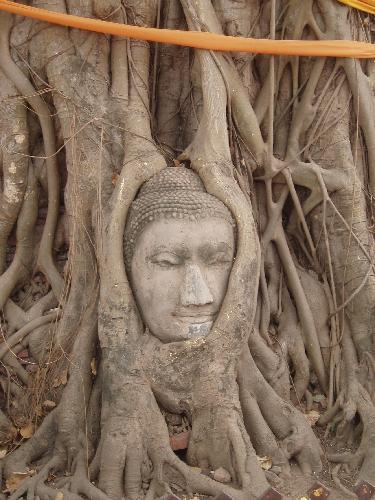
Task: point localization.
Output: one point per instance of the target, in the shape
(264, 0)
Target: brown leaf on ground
(61, 380)
(15, 480)
(265, 462)
(27, 431)
(312, 417)
(7, 435)
(93, 365)
(48, 404)
(115, 177)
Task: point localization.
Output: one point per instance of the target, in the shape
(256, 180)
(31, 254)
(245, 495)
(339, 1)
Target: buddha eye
(219, 259)
(165, 263)
(167, 260)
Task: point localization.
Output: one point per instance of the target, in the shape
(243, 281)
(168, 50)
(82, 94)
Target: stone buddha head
(179, 250)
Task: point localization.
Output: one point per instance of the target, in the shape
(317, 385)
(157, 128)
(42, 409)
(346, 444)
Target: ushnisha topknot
(173, 193)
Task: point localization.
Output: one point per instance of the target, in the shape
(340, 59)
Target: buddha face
(179, 273)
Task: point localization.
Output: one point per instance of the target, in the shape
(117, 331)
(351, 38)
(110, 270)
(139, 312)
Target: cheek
(217, 279)
(155, 290)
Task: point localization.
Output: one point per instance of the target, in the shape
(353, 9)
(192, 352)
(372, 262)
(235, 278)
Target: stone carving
(179, 250)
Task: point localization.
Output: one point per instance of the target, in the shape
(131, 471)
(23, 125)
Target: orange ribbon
(199, 40)
(365, 5)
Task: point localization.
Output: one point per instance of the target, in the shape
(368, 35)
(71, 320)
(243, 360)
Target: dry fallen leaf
(7, 434)
(48, 404)
(39, 411)
(318, 492)
(115, 177)
(93, 366)
(15, 480)
(64, 377)
(27, 431)
(312, 417)
(62, 380)
(3, 452)
(265, 462)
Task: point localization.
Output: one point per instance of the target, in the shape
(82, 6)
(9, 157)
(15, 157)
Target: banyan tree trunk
(287, 144)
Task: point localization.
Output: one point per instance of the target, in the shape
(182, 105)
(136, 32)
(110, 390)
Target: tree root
(354, 399)
(364, 457)
(39, 444)
(20, 268)
(338, 483)
(132, 437)
(291, 432)
(290, 335)
(24, 331)
(30, 485)
(25, 88)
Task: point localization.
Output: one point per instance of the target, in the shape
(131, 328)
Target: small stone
(271, 494)
(48, 404)
(318, 491)
(180, 441)
(222, 475)
(365, 490)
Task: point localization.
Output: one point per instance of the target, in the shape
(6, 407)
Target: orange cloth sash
(365, 5)
(200, 40)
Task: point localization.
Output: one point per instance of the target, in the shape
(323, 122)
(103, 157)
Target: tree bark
(287, 145)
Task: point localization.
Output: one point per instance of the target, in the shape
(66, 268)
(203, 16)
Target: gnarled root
(285, 432)
(134, 448)
(219, 439)
(141, 454)
(40, 443)
(364, 457)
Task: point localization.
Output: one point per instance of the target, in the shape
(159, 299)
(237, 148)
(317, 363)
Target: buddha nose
(194, 290)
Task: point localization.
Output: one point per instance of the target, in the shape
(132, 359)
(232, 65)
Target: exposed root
(363, 458)
(18, 336)
(290, 335)
(124, 449)
(290, 428)
(338, 483)
(20, 268)
(108, 428)
(25, 88)
(31, 485)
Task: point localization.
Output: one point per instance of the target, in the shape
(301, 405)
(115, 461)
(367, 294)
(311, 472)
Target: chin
(199, 329)
(186, 332)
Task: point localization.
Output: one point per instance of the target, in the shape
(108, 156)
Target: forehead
(186, 234)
